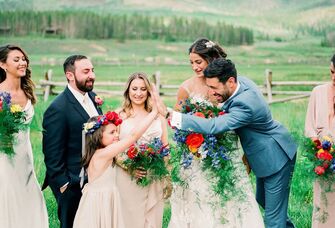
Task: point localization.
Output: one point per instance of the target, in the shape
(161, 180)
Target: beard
(85, 86)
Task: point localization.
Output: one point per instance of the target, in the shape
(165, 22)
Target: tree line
(89, 25)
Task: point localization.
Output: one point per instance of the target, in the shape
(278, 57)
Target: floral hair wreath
(109, 117)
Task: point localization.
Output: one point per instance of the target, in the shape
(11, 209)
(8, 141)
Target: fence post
(48, 88)
(268, 79)
(157, 81)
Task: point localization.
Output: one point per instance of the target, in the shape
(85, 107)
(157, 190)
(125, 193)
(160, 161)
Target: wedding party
(166, 122)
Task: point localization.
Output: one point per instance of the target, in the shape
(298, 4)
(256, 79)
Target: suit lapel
(76, 105)
(92, 97)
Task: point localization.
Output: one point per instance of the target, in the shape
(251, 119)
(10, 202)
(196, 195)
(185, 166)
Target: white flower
(202, 152)
(209, 44)
(88, 126)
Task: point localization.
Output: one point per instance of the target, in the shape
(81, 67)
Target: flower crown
(109, 117)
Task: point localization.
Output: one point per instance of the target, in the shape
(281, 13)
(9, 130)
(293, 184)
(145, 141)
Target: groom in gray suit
(267, 144)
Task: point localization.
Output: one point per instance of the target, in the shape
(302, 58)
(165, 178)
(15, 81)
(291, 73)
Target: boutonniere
(99, 101)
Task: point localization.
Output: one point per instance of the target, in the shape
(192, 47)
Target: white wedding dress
(197, 206)
(21, 200)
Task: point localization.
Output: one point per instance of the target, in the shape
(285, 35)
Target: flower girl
(100, 204)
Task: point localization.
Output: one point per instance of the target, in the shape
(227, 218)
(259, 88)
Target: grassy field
(297, 59)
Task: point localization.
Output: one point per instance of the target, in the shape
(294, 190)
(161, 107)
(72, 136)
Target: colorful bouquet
(12, 119)
(320, 153)
(148, 157)
(212, 151)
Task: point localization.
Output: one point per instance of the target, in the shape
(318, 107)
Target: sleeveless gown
(197, 206)
(100, 203)
(141, 206)
(21, 200)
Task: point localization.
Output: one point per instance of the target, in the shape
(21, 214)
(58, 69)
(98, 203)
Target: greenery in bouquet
(12, 119)
(214, 152)
(149, 157)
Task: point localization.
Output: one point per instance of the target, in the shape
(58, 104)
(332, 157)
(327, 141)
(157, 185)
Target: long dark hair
(27, 85)
(207, 49)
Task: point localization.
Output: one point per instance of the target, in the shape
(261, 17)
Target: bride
(197, 205)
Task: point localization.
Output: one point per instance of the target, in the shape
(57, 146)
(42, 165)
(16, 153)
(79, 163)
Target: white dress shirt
(85, 101)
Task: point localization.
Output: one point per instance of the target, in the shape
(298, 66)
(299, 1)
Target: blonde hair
(127, 106)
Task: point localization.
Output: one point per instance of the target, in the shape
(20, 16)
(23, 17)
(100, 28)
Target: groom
(62, 135)
(267, 144)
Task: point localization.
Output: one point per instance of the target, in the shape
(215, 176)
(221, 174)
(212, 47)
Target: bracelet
(167, 114)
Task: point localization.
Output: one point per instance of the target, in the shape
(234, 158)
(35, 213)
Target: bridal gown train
(196, 206)
(21, 200)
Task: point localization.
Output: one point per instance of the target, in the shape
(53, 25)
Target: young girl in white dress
(100, 203)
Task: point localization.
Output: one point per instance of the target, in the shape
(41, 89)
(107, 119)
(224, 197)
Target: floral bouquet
(148, 157)
(320, 153)
(12, 119)
(212, 151)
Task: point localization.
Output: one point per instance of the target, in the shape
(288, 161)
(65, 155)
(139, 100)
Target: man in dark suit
(267, 144)
(62, 135)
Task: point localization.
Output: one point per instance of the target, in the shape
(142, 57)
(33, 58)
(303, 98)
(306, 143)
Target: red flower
(194, 141)
(324, 156)
(199, 114)
(325, 165)
(132, 152)
(110, 115)
(319, 170)
(1, 104)
(221, 113)
(317, 144)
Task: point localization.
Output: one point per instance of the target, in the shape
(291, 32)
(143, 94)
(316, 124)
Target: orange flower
(194, 141)
(199, 114)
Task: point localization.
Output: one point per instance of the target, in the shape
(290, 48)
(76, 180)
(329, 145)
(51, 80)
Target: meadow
(298, 59)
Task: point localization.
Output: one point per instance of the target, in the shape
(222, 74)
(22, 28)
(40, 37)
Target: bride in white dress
(197, 206)
(21, 200)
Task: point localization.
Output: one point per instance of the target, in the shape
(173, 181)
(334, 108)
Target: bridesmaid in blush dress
(320, 121)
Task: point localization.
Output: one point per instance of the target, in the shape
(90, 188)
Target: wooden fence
(49, 87)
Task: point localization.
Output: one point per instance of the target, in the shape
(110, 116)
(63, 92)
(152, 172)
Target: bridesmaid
(320, 121)
(22, 202)
(142, 207)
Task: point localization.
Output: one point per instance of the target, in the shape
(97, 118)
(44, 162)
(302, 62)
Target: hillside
(273, 17)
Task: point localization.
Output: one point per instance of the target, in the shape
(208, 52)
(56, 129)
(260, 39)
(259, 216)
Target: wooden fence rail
(48, 86)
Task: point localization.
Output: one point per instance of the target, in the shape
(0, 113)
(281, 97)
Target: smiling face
(83, 77)
(138, 91)
(198, 64)
(16, 64)
(221, 91)
(109, 135)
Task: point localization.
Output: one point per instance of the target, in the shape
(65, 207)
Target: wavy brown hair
(207, 49)
(127, 106)
(92, 142)
(27, 85)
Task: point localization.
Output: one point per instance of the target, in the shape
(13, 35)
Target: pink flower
(98, 100)
(319, 170)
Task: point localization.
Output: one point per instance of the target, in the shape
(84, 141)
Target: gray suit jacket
(266, 143)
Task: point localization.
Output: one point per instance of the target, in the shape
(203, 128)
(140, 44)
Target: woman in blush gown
(197, 205)
(21, 200)
(142, 207)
